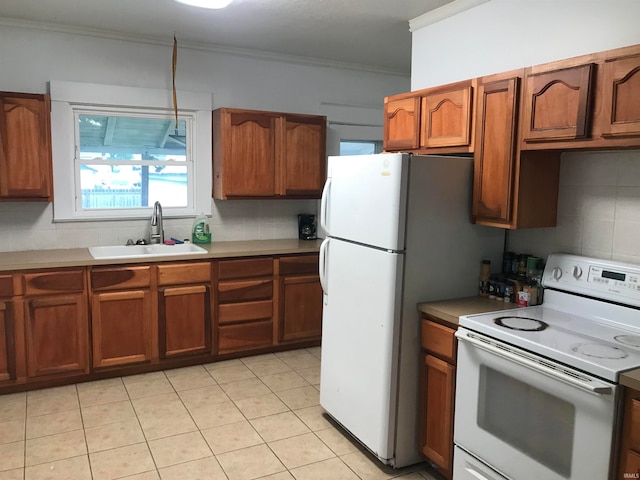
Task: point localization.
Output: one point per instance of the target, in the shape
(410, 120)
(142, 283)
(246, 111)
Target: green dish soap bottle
(201, 232)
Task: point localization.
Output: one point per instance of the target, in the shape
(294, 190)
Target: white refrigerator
(398, 233)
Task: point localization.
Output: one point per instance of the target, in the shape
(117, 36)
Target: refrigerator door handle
(324, 202)
(322, 267)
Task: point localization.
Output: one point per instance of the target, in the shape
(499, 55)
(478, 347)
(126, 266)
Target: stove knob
(577, 272)
(556, 273)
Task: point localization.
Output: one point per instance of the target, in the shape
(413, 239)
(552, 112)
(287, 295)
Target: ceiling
(370, 34)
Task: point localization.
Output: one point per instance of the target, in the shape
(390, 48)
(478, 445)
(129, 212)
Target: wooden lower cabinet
(437, 395)
(57, 335)
(245, 305)
(122, 327)
(300, 306)
(184, 320)
(629, 452)
(7, 342)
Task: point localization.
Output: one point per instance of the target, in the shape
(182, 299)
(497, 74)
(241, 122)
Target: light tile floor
(250, 418)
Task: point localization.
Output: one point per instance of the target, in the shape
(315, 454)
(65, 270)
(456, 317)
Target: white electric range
(536, 393)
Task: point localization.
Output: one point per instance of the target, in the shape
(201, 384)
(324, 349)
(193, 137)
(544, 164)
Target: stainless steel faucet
(157, 230)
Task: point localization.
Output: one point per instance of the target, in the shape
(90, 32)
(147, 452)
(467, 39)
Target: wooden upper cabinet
(25, 147)
(495, 151)
(243, 154)
(304, 157)
(557, 104)
(446, 117)
(621, 97)
(267, 154)
(401, 123)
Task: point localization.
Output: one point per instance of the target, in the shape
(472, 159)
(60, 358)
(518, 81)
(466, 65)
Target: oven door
(528, 417)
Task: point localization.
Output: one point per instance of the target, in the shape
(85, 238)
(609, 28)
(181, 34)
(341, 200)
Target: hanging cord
(174, 63)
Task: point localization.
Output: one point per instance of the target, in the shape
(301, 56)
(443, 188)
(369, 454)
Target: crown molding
(231, 51)
(446, 11)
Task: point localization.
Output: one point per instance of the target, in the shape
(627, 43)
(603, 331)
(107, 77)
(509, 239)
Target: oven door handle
(535, 363)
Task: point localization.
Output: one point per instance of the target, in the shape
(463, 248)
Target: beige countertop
(450, 310)
(631, 379)
(74, 257)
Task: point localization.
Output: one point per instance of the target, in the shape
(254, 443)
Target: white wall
(599, 199)
(29, 58)
(506, 34)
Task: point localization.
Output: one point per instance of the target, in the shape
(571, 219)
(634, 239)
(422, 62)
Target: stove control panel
(606, 279)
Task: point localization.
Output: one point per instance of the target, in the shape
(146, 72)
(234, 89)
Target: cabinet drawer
(245, 290)
(6, 285)
(242, 312)
(245, 336)
(301, 265)
(439, 340)
(53, 282)
(184, 273)
(252, 267)
(119, 278)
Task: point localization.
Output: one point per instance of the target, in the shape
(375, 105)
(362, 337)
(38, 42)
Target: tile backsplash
(598, 209)
(29, 225)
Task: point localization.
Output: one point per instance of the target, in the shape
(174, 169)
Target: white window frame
(70, 98)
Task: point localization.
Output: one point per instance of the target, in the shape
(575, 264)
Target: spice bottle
(485, 273)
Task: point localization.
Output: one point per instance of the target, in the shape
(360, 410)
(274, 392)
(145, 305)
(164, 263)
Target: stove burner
(599, 350)
(524, 324)
(629, 340)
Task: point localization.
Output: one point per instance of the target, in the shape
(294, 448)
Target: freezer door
(365, 199)
(360, 331)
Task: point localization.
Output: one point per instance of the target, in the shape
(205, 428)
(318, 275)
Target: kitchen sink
(141, 251)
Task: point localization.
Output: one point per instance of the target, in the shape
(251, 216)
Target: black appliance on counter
(306, 226)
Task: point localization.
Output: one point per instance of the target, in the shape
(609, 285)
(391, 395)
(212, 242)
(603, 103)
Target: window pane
(131, 138)
(358, 147)
(133, 186)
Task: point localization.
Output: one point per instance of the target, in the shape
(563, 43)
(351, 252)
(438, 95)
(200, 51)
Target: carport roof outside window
(206, 3)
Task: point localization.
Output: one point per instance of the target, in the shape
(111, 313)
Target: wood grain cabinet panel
(184, 273)
(629, 436)
(446, 118)
(621, 97)
(121, 327)
(244, 305)
(118, 278)
(557, 104)
(401, 123)
(7, 342)
(267, 154)
(57, 335)
(62, 281)
(438, 379)
(437, 394)
(304, 157)
(495, 151)
(300, 299)
(184, 320)
(25, 147)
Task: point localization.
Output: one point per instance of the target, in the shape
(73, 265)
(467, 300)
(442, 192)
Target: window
(359, 147)
(115, 161)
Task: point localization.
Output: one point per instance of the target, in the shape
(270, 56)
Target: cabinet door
(557, 104)
(302, 167)
(438, 383)
(7, 342)
(184, 317)
(494, 159)
(25, 147)
(56, 335)
(620, 98)
(446, 118)
(402, 124)
(121, 326)
(300, 308)
(246, 162)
